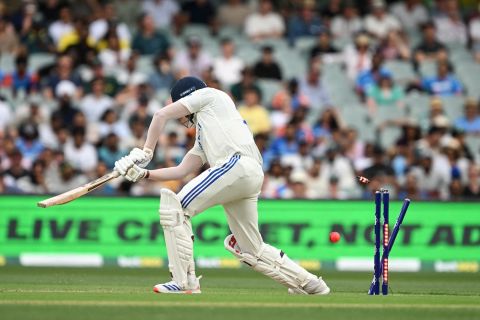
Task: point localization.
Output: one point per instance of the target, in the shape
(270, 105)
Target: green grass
(113, 293)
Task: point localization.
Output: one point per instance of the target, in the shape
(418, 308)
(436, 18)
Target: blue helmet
(186, 86)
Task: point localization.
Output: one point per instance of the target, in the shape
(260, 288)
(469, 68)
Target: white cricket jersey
(221, 131)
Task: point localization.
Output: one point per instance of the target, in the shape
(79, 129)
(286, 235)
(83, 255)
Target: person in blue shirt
(470, 122)
(444, 83)
(367, 79)
(287, 144)
(306, 23)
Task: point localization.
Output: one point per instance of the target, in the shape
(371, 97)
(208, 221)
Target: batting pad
(273, 263)
(177, 230)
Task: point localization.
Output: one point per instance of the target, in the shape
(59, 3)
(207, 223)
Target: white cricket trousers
(235, 185)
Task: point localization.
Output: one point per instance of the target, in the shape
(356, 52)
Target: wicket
(380, 266)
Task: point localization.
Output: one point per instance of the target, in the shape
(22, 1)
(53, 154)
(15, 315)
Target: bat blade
(77, 192)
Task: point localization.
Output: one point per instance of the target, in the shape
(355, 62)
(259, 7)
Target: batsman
(234, 179)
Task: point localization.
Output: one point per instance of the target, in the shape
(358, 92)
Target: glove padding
(123, 165)
(141, 157)
(135, 173)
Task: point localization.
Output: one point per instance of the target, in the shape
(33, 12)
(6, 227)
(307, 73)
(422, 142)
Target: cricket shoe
(172, 287)
(314, 287)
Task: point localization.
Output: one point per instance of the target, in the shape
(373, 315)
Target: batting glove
(135, 173)
(123, 165)
(141, 157)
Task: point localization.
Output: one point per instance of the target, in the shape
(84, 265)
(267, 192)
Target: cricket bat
(78, 192)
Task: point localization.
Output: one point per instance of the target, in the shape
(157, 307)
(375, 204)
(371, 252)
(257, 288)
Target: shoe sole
(196, 291)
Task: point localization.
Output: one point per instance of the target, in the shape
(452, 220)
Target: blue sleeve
(457, 85)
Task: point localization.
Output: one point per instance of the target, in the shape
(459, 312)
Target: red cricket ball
(334, 236)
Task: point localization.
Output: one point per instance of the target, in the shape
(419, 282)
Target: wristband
(147, 174)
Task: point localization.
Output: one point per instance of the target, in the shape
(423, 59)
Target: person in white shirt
(79, 153)
(162, 11)
(348, 24)
(228, 68)
(265, 23)
(450, 27)
(93, 105)
(358, 57)
(411, 14)
(62, 26)
(193, 61)
(99, 28)
(379, 22)
(234, 180)
(474, 33)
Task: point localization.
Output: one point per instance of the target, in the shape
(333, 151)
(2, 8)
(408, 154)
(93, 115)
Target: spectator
(228, 68)
(275, 183)
(147, 40)
(432, 178)
(429, 48)
(304, 24)
(35, 181)
(193, 61)
(62, 26)
(162, 78)
(6, 116)
(111, 124)
(380, 170)
(332, 9)
(410, 13)
(77, 45)
(290, 99)
(8, 38)
(66, 179)
(79, 153)
(472, 189)
(163, 12)
(267, 67)
(106, 26)
(371, 77)
(255, 115)
(444, 83)
(94, 104)
(297, 185)
(199, 12)
(394, 46)
(474, 34)
(233, 13)
(114, 56)
(248, 82)
(340, 174)
(379, 22)
(21, 79)
(66, 111)
(470, 122)
(317, 182)
(324, 48)
(346, 25)
(173, 151)
(385, 93)
(312, 87)
(137, 137)
(63, 71)
(358, 57)
(451, 29)
(265, 23)
(15, 171)
(110, 152)
(286, 144)
(303, 160)
(28, 142)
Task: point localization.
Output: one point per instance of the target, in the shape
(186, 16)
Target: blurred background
(330, 89)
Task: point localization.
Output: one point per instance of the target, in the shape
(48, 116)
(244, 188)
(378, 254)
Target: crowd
(80, 81)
